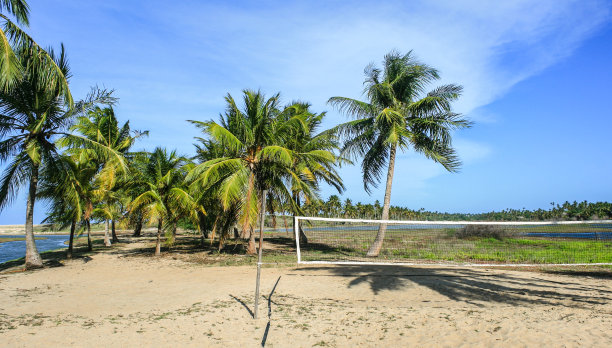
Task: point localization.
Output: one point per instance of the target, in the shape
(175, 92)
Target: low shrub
(483, 231)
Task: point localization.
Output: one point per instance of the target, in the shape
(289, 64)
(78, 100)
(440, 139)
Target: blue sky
(536, 78)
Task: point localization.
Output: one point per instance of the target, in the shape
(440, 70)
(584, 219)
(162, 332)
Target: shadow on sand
(473, 285)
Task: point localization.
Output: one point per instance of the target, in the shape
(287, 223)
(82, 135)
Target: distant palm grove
(334, 207)
(78, 156)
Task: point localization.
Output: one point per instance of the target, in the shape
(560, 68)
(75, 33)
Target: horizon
(530, 79)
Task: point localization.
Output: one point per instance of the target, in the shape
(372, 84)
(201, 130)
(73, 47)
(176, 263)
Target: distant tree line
(334, 207)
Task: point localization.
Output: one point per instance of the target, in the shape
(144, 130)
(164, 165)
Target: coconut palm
(71, 195)
(32, 116)
(167, 198)
(133, 187)
(100, 125)
(254, 157)
(315, 161)
(12, 39)
(219, 221)
(399, 114)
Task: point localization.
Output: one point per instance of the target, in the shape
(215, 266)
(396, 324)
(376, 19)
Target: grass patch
(444, 244)
(17, 239)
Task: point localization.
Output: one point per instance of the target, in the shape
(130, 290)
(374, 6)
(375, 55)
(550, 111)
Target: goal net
(347, 241)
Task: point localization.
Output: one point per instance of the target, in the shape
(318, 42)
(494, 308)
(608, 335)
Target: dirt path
(114, 300)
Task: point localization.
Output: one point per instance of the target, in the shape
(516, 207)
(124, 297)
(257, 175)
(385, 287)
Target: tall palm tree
(254, 156)
(167, 198)
(32, 116)
(12, 39)
(399, 114)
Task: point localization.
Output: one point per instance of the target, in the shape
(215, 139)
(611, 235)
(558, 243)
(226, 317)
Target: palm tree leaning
(399, 114)
(32, 116)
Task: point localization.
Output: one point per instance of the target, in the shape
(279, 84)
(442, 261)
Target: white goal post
(343, 241)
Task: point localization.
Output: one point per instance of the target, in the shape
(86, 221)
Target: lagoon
(16, 249)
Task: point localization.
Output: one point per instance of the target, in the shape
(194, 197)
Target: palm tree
(71, 195)
(101, 126)
(12, 39)
(315, 161)
(219, 220)
(398, 114)
(134, 187)
(32, 116)
(167, 198)
(254, 156)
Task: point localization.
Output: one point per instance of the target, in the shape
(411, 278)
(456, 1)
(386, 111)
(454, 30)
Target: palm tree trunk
(380, 236)
(115, 239)
(286, 227)
(251, 249)
(71, 240)
(107, 241)
(138, 227)
(32, 257)
(89, 246)
(158, 243)
(303, 238)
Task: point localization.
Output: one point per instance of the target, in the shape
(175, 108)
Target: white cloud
(471, 151)
(314, 52)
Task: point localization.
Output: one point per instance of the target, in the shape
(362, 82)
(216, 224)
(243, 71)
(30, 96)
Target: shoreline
(11, 230)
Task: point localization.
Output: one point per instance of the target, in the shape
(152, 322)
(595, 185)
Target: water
(584, 235)
(14, 250)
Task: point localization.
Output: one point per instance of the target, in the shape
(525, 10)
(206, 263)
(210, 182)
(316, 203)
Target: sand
(114, 299)
(20, 230)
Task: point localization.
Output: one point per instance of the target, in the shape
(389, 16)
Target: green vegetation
(333, 207)
(505, 246)
(16, 239)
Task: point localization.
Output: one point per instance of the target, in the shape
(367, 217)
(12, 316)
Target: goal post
(478, 243)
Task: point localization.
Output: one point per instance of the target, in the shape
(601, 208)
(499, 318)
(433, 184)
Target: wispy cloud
(315, 50)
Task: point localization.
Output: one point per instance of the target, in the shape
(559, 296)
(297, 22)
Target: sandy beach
(116, 298)
(20, 230)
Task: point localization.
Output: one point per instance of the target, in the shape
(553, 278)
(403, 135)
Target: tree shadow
(582, 273)
(288, 244)
(474, 286)
(182, 245)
